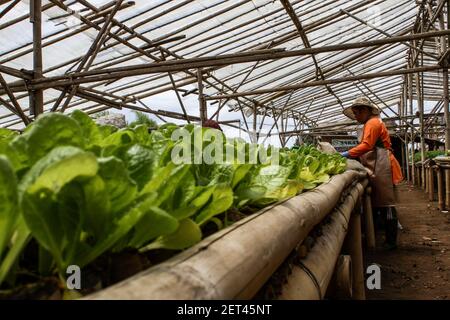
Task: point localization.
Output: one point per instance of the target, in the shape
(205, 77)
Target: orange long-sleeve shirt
(375, 130)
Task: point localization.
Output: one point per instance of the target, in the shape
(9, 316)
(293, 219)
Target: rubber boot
(391, 229)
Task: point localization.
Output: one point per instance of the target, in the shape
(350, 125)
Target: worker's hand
(345, 154)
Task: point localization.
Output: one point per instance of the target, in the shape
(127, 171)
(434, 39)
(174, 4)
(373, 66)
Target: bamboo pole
(9, 8)
(353, 245)
(419, 93)
(440, 185)
(291, 12)
(447, 186)
(208, 273)
(422, 128)
(431, 183)
(310, 276)
(446, 109)
(227, 32)
(377, 97)
(88, 59)
(201, 97)
(37, 95)
(341, 285)
(181, 65)
(24, 17)
(330, 81)
(13, 100)
(296, 61)
(368, 219)
(430, 23)
(410, 91)
(387, 34)
(180, 101)
(49, 41)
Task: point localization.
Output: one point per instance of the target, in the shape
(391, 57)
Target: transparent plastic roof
(198, 28)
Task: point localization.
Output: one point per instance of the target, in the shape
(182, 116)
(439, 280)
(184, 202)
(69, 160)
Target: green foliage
(82, 190)
(143, 119)
(428, 155)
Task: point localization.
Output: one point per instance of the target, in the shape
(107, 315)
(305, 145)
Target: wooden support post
(408, 170)
(201, 98)
(37, 96)
(440, 185)
(425, 178)
(447, 187)
(420, 184)
(410, 94)
(417, 183)
(368, 218)
(354, 247)
(255, 119)
(403, 163)
(446, 111)
(422, 141)
(431, 183)
(446, 95)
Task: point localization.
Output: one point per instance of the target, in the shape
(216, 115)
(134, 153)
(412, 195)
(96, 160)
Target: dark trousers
(386, 219)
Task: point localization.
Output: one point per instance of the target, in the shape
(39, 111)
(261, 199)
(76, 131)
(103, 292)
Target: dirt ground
(420, 267)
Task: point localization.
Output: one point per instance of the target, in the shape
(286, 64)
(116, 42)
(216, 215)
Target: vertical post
(201, 98)
(421, 118)
(446, 111)
(448, 23)
(431, 183)
(368, 218)
(354, 248)
(410, 91)
(403, 122)
(408, 173)
(403, 159)
(282, 137)
(36, 96)
(447, 187)
(255, 118)
(405, 113)
(446, 98)
(419, 92)
(440, 188)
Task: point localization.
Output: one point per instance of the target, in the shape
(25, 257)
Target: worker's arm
(372, 131)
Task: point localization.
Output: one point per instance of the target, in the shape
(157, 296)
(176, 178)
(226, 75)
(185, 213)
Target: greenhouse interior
(224, 150)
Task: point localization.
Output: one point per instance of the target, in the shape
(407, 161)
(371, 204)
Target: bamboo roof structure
(289, 60)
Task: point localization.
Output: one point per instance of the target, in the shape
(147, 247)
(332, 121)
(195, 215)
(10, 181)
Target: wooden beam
(14, 101)
(330, 81)
(195, 63)
(8, 8)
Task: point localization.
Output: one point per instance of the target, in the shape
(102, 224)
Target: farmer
(375, 153)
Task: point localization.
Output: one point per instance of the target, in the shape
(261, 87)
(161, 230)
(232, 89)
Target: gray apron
(378, 164)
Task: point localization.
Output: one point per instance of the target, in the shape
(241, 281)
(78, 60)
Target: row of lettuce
(428, 155)
(82, 190)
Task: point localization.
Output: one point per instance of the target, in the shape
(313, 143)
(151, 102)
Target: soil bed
(420, 267)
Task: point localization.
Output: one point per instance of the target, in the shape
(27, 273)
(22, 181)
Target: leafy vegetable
(82, 190)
